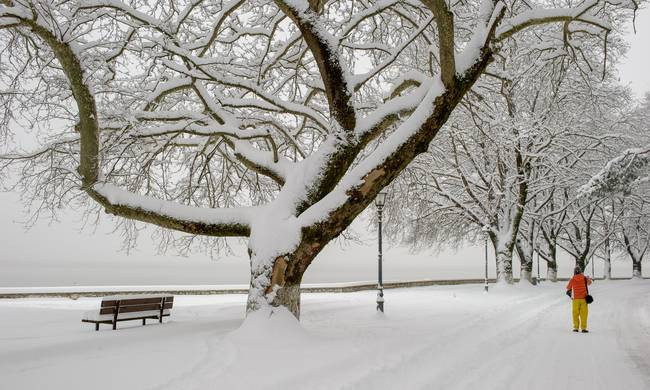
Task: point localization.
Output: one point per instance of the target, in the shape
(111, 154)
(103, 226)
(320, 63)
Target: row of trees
(521, 159)
(275, 121)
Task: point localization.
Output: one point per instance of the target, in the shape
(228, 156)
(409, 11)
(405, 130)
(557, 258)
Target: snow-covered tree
(623, 172)
(607, 226)
(518, 138)
(525, 249)
(278, 121)
(635, 231)
(622, 184)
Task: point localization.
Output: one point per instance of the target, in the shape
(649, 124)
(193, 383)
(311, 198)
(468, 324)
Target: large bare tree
(278, 121)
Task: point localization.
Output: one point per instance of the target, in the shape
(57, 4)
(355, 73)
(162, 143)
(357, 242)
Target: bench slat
(139, 301)
(106, 310)
(134, 301)
(132, 309)
(136, 308)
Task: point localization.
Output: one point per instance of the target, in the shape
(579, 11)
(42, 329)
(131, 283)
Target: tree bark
(636, 257)
(636, 269)
(551, 271)
(581, 262)
(275, 284)
(551, 264)
(551, 256)
(270, 287)
(607, 262)
(526, 261)
(504, 266)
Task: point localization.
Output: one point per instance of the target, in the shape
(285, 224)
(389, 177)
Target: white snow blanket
(444, 337)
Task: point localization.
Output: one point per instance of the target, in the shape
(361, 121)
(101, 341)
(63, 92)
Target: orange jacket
(577, 283)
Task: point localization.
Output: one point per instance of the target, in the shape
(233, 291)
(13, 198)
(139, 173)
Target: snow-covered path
(445, 337)
(527, 344)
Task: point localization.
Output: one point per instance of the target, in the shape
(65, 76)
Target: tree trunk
(275, 282)
(636, 270)
(581, 262)
(276, 285)
(607, 262)
(607, 269)
(526, 260)
(551, 258)
(526, 270)
(504, 266)
(551, 271)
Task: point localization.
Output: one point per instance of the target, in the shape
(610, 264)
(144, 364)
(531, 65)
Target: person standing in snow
(578, 284)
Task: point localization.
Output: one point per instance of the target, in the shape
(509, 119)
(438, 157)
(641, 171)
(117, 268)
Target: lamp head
(380, 200)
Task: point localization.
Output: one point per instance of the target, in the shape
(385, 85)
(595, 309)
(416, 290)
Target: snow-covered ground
(444, 337)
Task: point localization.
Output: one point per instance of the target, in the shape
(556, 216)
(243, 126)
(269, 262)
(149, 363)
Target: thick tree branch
(162, 213)
(445, 24)
(324, 48)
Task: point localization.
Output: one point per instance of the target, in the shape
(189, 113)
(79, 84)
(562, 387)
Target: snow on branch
(490, 16)
(324, 48)
(387, 150)
(585, 13)
(220, 222)
(620, 174)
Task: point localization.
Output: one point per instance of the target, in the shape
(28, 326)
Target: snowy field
(444, 337)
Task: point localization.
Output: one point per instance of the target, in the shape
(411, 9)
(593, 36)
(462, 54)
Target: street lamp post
(379, 202)
(539, 277)
(486, 231)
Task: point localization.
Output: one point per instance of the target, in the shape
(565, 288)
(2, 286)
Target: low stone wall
(323, 288)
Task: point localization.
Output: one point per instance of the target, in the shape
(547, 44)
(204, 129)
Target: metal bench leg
(96, 326)
(144, 321)
(117, 311)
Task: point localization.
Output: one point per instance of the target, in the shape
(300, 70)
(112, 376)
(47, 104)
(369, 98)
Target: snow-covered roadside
(446, 337)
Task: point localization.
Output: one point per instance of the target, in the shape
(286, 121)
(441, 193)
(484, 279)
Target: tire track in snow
(214, 351)
(399, 360)
(543, 353)
(420, 367)
(532, 350)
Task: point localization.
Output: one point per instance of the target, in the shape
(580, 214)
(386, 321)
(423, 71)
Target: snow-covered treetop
(623, 173)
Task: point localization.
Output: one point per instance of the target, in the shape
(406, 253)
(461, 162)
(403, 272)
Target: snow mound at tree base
(269, 326)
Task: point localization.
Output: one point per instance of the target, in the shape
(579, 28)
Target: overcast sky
(58, 254)
(635, 70)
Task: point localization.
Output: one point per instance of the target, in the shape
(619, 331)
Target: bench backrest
(133, 305)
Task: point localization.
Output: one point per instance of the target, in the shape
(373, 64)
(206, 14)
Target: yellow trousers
(580, 313)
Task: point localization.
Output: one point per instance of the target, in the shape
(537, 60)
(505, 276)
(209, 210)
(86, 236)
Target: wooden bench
(128, 308)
